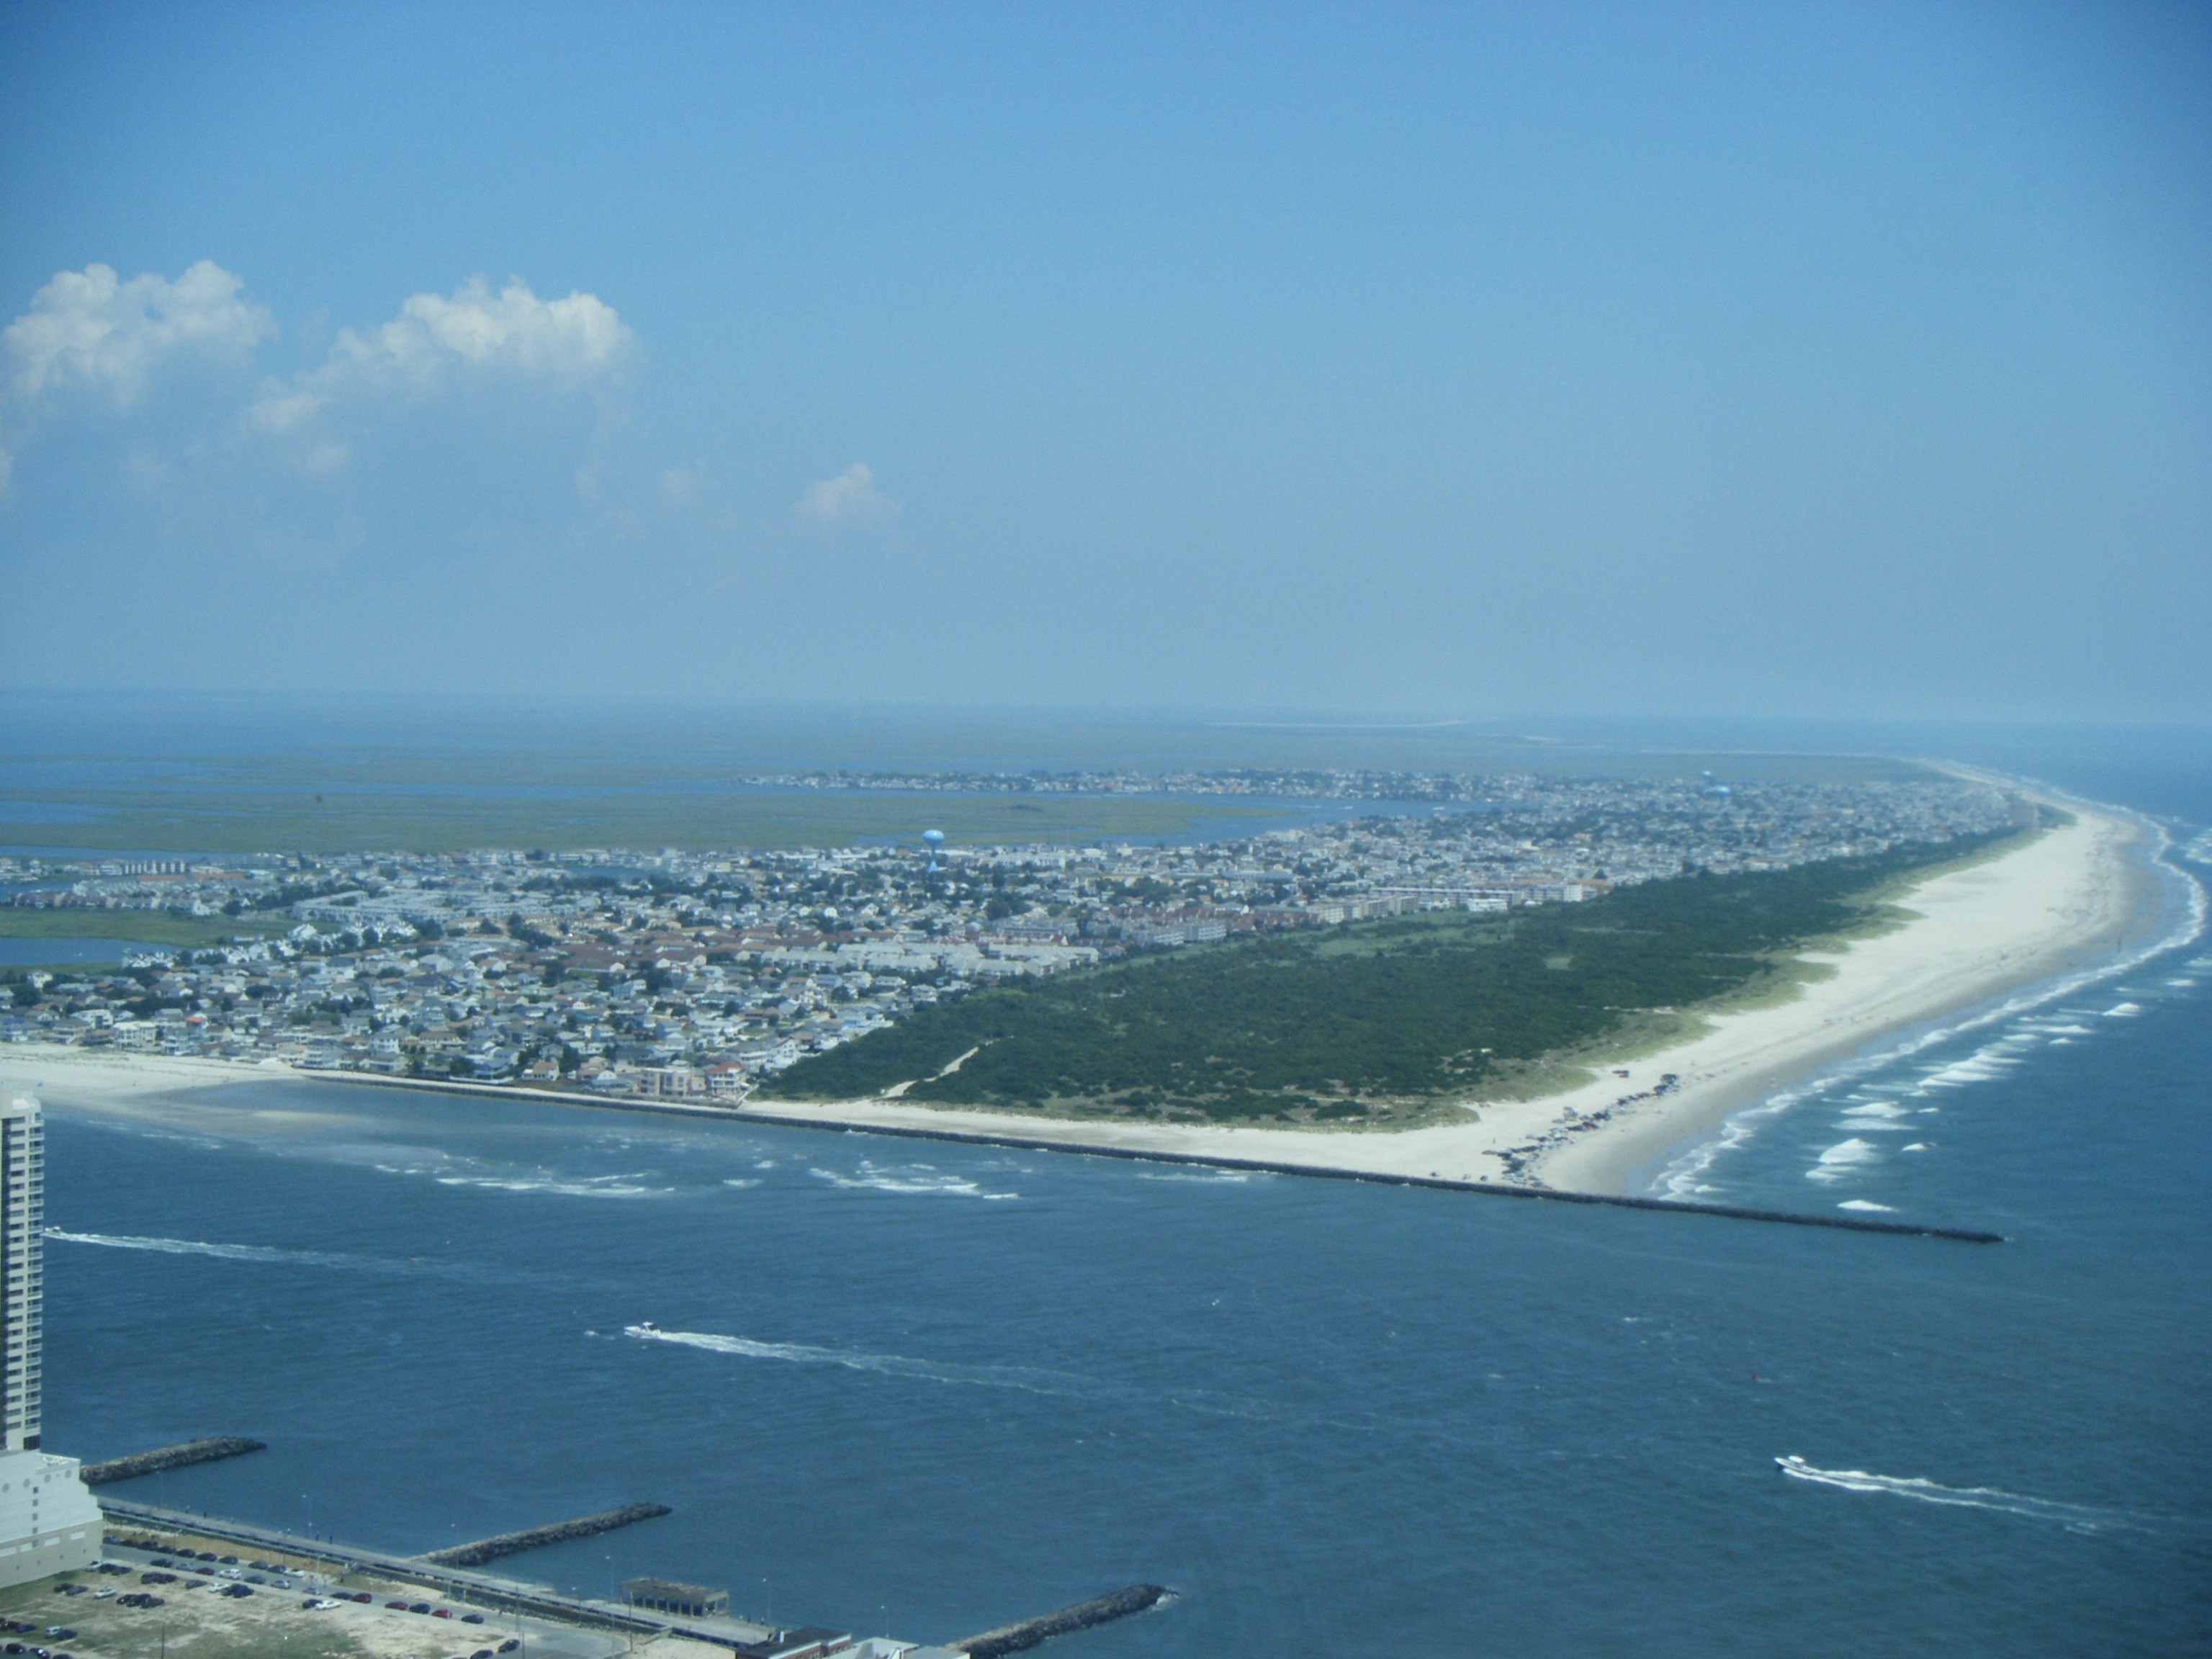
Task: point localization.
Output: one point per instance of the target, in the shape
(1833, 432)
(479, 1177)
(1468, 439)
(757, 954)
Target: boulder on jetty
(168, 1457)
(1013, 1638)
(513, 1543)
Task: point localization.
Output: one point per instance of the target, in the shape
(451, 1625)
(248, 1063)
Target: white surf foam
(2075, 1517)
(590, 1187)
(1685, 1175)
(430, 1164)
(1838, 1160)
(1198, 1178)
(1867, 1204)
(918, 1178)
(1982, 1066)
(2124, 1011)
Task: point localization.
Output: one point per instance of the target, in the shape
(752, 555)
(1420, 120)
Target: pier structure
(468, 1587)
(667, 1595)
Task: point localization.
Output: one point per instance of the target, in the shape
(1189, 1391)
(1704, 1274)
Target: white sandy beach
(1977, 932)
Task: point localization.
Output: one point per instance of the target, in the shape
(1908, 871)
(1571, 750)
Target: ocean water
(929, 1389)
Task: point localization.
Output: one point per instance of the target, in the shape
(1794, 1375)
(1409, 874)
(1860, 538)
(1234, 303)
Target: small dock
(168, 1457)
(1014, 1638)
(533, 1538)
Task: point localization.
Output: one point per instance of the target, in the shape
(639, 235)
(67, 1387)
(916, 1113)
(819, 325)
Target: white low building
(49, 1523)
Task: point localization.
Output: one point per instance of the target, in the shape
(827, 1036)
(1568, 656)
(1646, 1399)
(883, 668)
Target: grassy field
(149, 926)
(1384, 1020)
(471, 780)
(291, 822)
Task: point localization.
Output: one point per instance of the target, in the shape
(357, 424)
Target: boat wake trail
(1028, 1380)
(2074, 1517)
(221, 1252)
(271, 1256)
(1205, 1402)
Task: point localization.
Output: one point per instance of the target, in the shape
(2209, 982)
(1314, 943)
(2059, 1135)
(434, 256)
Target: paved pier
(455, 1584)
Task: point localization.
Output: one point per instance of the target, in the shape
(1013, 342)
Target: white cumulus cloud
(88, 328)
(850, 498)
(94, 339)
(565, 345)
(571, 343)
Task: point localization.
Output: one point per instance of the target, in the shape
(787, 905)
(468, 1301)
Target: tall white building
(22, 1270)
(49, 1523)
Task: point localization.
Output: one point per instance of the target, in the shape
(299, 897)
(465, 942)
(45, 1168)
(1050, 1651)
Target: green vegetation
(642, 783)
(555, 819)
(1369, 1021)
(149, 926)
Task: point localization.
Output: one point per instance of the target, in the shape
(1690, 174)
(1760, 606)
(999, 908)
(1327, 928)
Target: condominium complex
(23, 1214)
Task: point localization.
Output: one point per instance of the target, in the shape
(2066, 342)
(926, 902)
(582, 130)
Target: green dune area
(1387, 1022)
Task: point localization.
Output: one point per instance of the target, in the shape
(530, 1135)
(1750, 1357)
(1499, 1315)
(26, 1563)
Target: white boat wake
(277, 1255)
(886, 1365)
(2074, 1517)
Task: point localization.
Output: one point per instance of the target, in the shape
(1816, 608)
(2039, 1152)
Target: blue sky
(1848, 361)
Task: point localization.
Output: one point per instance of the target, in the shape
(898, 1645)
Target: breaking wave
(914, 1178)
(589, 1187)
(1685, 1176)
(1839, 1158)
(1205, 1178)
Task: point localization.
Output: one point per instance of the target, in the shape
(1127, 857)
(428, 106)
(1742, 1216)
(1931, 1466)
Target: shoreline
(129, 1080)
(2072, 895)
(2066, 898)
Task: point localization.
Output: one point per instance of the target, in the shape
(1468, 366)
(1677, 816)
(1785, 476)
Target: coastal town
(690, 974)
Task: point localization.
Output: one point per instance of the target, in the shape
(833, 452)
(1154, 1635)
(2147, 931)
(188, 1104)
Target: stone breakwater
(168, 1457)
(1013, 1638)
(532, 1538)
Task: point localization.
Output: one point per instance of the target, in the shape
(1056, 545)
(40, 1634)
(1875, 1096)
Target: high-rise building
(23, 1269)
(49, 1523)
